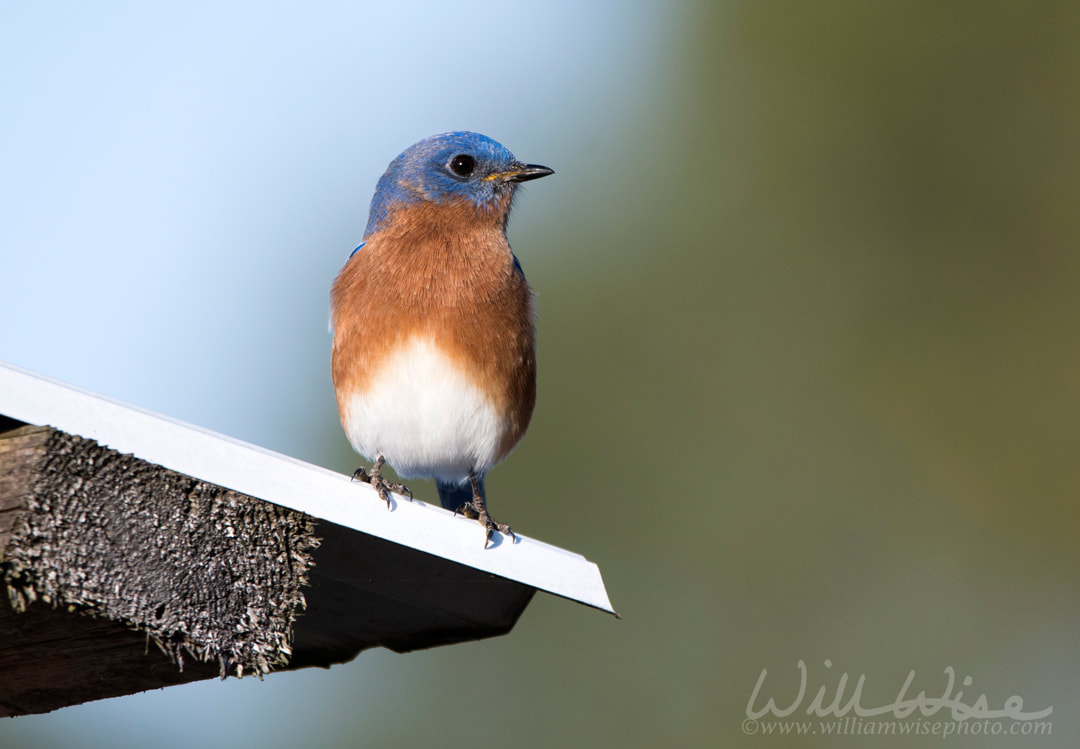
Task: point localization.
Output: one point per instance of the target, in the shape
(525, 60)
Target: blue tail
(454, 496)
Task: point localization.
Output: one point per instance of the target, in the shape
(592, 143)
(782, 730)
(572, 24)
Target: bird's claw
(379, 484)
(478, 511)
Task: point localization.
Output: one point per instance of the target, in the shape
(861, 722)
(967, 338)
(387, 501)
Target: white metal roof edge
(292, 483)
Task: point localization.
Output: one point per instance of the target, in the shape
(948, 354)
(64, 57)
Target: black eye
(462, 165)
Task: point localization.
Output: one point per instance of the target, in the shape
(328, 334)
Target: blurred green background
(809, 292)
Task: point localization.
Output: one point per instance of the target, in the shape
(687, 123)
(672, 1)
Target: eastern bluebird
(434, 360)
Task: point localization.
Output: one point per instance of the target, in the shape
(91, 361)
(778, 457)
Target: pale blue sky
(181, 181)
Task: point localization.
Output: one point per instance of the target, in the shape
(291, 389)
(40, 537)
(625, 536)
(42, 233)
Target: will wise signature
(903, 706)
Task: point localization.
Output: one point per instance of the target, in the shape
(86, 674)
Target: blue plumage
(451, 166)
(434, 360)
(454, 496)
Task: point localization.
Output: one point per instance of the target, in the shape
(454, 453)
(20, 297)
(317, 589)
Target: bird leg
(378, 483)
(476, 508)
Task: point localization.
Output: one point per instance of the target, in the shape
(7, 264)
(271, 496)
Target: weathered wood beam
(120, 576)
(52, 658)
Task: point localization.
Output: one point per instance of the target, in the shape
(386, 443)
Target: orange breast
(444, 272)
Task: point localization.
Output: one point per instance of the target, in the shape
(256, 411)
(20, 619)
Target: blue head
(451, 167)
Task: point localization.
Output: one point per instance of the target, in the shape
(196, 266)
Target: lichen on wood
(206, 572)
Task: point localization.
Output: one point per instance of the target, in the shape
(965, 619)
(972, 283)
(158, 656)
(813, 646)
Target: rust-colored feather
(443, 271)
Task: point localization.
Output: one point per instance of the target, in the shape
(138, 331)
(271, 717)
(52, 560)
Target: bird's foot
(378, 483)
(476, 509)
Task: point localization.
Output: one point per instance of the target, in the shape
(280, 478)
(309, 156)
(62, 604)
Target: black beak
(529, 171)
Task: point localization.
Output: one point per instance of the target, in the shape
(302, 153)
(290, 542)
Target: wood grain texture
(52, 658)
(110, 544)
(20, 454)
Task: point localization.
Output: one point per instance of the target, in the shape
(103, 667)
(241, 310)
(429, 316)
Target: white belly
(424, 416)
